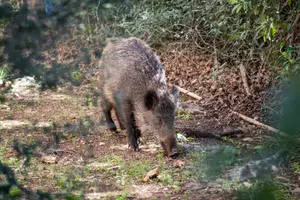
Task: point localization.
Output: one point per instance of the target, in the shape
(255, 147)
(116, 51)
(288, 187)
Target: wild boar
(134, 85)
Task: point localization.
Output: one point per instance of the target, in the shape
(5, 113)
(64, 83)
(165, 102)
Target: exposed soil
(90, 158)
(86, 153)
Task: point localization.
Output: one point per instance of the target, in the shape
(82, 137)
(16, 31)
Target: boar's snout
(170, 147)
(174, 153)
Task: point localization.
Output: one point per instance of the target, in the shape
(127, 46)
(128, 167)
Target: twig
(294, 24)
(215, 54)
(255, 122)
(191, 94)
(244, 78)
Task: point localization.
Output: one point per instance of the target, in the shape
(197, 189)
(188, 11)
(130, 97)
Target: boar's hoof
(136, 149)
(134, 146)
(173, 154)
(140, 140)
(122, 127)
(114, 130)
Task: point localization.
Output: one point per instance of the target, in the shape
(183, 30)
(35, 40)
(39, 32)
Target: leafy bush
(4, 72)
(251, 31)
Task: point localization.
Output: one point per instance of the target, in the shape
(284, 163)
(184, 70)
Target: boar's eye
(160, 121)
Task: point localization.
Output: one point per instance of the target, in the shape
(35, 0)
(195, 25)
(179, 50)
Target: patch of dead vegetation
(219, 84)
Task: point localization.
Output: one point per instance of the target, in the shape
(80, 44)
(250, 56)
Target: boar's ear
(151, 99)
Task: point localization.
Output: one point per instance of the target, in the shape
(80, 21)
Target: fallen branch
(244, 78)
(191, 108)
(191, 94)
(204, 134)
(255, 122)
(199, 134)
(230, 133)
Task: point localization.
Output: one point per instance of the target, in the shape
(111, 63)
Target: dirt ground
(78, 154)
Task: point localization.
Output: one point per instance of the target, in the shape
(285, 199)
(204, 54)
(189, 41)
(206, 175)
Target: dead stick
(230, 133)
(191, 94)
(244, 78)
(255, 122)
(199, 134)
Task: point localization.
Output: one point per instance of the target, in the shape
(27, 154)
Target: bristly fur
(135, 82)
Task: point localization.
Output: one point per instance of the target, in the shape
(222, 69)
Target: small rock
(8, 84)
(296, 190)
(151, 174)
(25, 86)
(178, 164)
(247, 139)
(1, 82)
(4, 107)
(49, 159)
(247, 184)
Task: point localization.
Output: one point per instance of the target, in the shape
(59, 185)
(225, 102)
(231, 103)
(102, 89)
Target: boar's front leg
(119, 109)
(107, 107)
(120, 120)
(133, 133)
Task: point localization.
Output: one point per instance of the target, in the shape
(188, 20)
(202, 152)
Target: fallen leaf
(101, 143)
(49, 159)
(151, 174)
(181, 137)
(178, 164)
(50, 175)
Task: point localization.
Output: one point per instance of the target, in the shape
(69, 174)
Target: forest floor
(56, 141)
(72, 151)
(77, 154)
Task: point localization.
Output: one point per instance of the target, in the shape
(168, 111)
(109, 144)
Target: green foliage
(124, 196)
(184, 115)
(138, 169)
(288, 121)
(210, 165)
(14, 191)
(290, 57)
(296, 167)
(3, 23)
(77, 76)
(235, 30)
(4, 72)
(262, 16)
(2, 97)
(264, 189)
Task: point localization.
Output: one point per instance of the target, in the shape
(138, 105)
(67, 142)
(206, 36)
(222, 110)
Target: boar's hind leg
(132, 131)
(107, 107)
